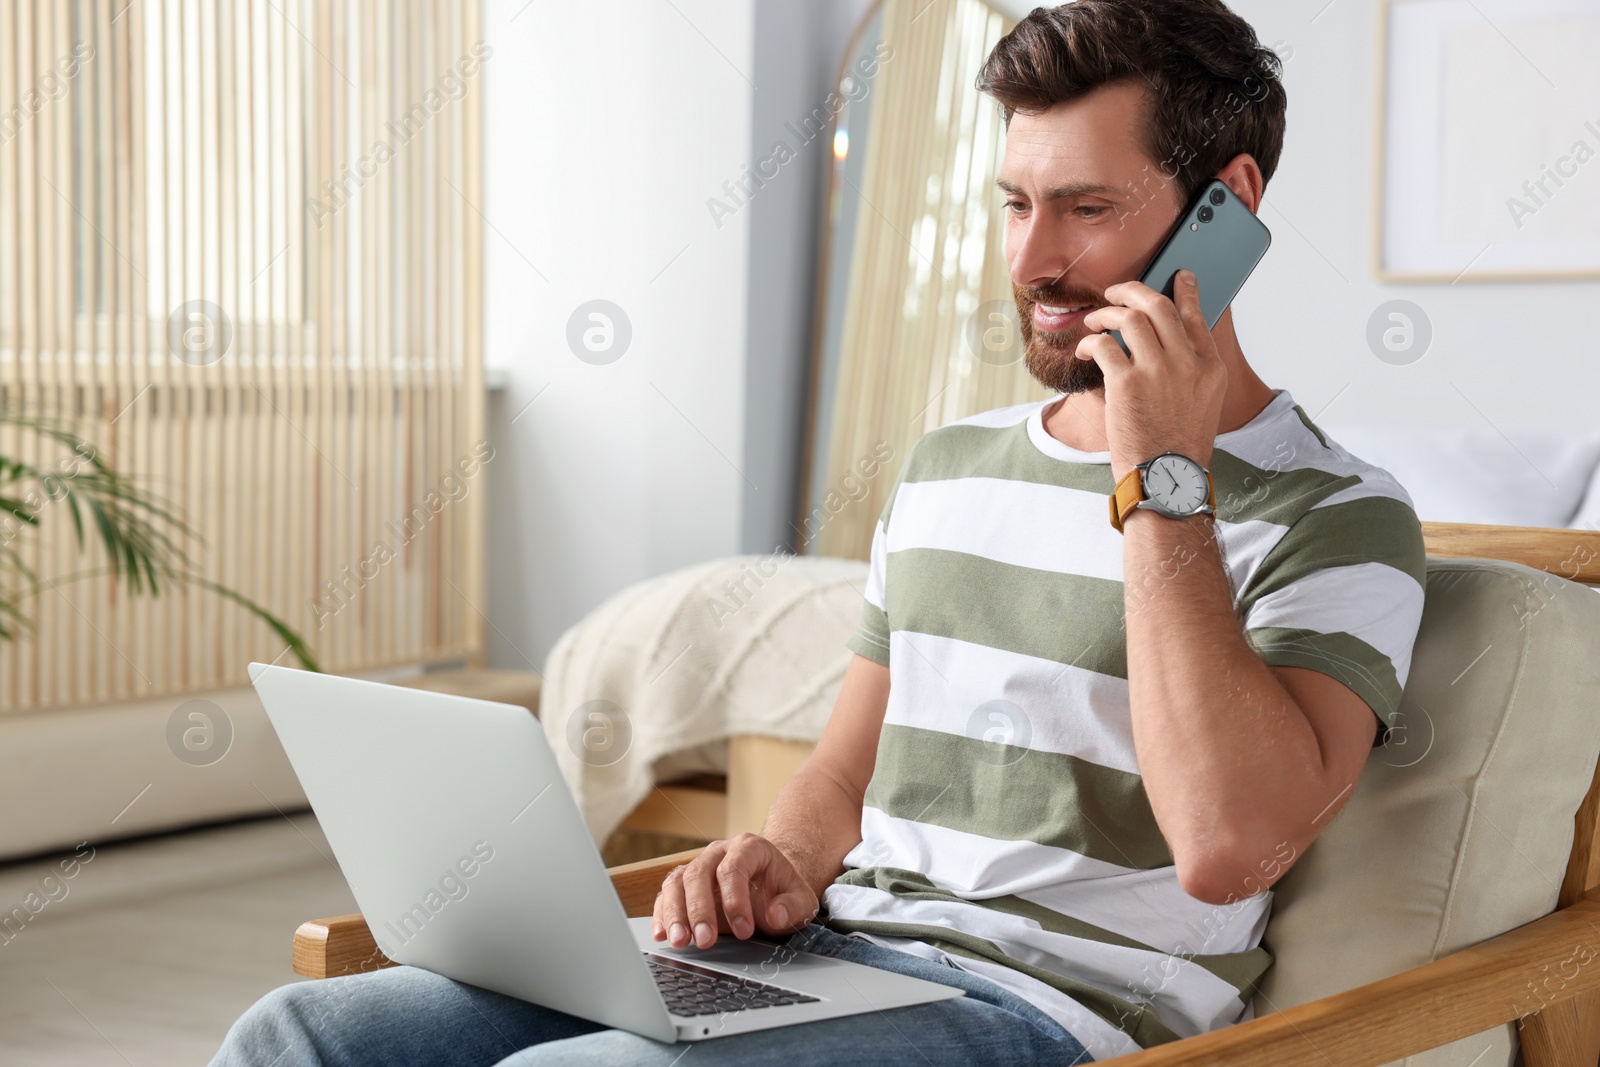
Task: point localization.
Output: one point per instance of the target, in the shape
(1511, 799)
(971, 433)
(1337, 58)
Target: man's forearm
(815, 822)
(1216, 733)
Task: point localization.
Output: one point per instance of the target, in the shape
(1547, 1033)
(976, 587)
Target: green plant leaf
(279, 627)
(142, 535)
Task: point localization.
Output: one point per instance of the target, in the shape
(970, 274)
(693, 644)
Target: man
(1069, 758)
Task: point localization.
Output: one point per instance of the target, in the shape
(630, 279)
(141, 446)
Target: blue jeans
(405, 1016)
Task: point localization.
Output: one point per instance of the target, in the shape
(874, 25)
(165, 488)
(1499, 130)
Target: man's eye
(1091, 212)
(1018, 205)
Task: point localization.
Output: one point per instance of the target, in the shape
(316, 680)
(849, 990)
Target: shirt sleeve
(1341, 593)
(871, 636)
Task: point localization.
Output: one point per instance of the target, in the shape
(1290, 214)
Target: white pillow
(1525, 478)
(1588, 516)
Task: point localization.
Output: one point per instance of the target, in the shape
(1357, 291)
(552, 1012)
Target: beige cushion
(1461, 826)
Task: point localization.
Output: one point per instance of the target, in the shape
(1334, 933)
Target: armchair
(1457, 893)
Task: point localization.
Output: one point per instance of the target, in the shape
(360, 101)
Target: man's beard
(1050, 356)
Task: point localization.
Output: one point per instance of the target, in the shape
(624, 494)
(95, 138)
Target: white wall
(1525, 354)
(608, 127)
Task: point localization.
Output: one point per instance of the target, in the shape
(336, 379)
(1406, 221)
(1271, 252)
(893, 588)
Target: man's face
(1086, 208)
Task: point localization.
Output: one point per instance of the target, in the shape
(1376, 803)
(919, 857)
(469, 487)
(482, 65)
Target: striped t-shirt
(1006, 829)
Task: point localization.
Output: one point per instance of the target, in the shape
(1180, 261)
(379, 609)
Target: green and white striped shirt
(1006, 828)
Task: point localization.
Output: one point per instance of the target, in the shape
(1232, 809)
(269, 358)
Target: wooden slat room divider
(240, 247)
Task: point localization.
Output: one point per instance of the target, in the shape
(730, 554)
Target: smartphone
(1219, 239)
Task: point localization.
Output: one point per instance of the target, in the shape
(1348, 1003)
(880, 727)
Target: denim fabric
(407, 1017)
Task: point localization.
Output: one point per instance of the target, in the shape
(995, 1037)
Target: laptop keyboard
(690, 990)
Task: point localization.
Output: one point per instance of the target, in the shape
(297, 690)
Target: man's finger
(788, 912)
(1163, 313)
(1106, 352)
(737, 874)
(1137, 332)
(669, 912)
(1186, 297)
(700, 897)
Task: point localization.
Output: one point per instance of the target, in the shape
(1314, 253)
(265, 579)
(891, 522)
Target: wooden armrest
(329, 948)
(1533, 546)
(1530, 969)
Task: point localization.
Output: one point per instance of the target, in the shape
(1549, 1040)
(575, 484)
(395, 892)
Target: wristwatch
(1172, 484)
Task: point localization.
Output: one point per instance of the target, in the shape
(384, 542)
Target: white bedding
(683, 661)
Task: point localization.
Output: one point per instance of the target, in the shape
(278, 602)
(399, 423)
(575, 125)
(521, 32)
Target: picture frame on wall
(1488, 155)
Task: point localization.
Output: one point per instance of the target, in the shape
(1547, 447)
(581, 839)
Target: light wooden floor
(157, 945)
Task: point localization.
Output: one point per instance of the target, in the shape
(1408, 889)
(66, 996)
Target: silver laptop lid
(428, 802)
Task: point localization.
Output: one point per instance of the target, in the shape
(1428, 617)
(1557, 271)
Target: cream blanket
(650, 684)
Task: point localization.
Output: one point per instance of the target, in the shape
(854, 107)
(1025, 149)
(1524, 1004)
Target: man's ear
(1243, 177)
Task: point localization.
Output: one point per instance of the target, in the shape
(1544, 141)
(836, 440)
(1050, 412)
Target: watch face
(1176, 484)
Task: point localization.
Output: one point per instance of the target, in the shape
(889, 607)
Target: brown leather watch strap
(1129, 491)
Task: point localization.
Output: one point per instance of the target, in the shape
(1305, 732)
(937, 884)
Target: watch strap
(1129, 491)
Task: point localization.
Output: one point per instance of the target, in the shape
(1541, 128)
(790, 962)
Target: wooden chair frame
(1459, 995)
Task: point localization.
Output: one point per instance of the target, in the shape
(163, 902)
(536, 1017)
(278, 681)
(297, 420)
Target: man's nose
(1041, 256)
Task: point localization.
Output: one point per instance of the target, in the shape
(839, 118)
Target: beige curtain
(928, 276)
(240, 247)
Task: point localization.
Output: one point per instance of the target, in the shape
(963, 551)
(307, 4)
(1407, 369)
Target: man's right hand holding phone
(740, 886)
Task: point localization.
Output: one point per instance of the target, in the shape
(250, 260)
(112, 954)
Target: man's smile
(1049, 318)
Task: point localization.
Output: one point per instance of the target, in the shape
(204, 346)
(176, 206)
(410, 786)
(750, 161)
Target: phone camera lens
(1218, 196)
(1206, 213)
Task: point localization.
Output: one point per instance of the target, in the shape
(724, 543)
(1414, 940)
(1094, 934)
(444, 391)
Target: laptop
(466, 852)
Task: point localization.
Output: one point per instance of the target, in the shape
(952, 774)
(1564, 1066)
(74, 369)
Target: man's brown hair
(1216, 91)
